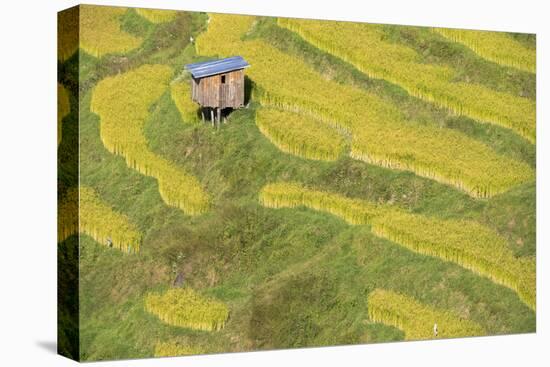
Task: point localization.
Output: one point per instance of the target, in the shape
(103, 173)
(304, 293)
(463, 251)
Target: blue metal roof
(207, 68)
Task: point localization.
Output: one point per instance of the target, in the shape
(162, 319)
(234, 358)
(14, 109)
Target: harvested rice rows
(401, 65)
(157, 15)
(465, 243)
(416, 319)
(100, 31)
(186, 308)
(122, 103)
(171, 349)
(181, 95)
(380, 133)
(497, 47)
(300, 134)
(63, 109)
(97, 219)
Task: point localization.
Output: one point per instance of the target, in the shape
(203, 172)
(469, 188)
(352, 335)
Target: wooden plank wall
(210, 92)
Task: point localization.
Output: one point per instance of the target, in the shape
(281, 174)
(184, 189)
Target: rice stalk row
(366, 47)
(67, 33)
(180, 92)
(122, 103)
(418, 320)
(82, 211)
(466, 243)
(380, 134)
(101, 33)
(184, 307)
(498, 47)
(300, 134)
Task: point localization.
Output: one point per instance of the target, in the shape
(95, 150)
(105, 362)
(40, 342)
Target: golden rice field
(466, 243)
(63, 109)
(122, 103)
(380, 133)
(184, 307)
(416, 319)
(100, 31)
(158, 16)
(180, 92)
(497, 47)
(67, 34)
(389, 272)
(379, 58)
(170, 349)
(83, 211)
(300, 134)
(451, 158)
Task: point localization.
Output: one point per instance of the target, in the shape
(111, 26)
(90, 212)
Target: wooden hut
(218, 84)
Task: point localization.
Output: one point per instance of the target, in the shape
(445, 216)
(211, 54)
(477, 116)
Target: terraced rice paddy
(417, 320)
(463, 242)
(300, 134)
(83, 211)
(122, 103)
(497, 47)
(379, 58)
(180, 92)
(186, 308)
(380, 134)
(101, 33)
(63, 109)
(310, 232)
(157, 16)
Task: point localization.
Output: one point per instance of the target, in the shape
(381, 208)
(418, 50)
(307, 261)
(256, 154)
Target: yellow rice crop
(157, 15)
(186, 308)
(100, 31)
(180, 92)
(122, 103)
(365, 47)
(300, 134)
(171, 349)
(63, 109)
(380, 133)
(97, 219)
(67, 33)
(498, 47)
(417, 319)
(450, 158)
(462, 242)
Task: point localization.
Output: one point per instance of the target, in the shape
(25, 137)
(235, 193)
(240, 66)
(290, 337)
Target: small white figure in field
(191, 39)
(435, 330)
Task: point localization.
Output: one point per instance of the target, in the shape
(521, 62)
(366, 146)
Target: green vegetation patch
(158, 15)
(466, 243)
